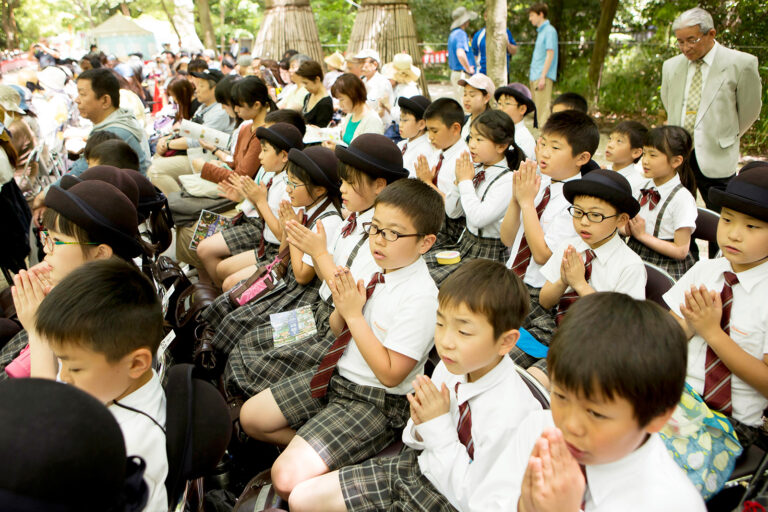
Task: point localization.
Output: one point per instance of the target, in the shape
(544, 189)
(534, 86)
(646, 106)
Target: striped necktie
(651, 196)
(717, 376)
(694, 98)
(523, 257)
(479, 178)
(319, 384)
(350, 226)
(405, 148)
(464, 427)
(437, 168)
(569, 298)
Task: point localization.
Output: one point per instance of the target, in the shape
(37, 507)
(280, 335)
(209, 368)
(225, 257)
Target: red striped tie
(319, 383)
(464, 428)
(437, 168)
(649, 195)
(717, 376)
(262, 243)
(569, 298)
(523, 257)
(350, 226)
(405, 147)
(479, 178)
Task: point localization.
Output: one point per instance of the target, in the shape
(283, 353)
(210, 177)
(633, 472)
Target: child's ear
(583, 158)
(421, 125)
(378, 185)
(676, 161)
(658, 422)
(456, 128)
(102, 252)
(636, 153)
(140, 361)
(284, 157)
(622, 219)
(319, 192)
(426, 243)
(507, 341)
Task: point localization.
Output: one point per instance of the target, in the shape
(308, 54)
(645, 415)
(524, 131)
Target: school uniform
(634, 175)
(748, 328)
(254, 363)
(646, 479)
(675, 210)
(294, 295)
(525, 140)
(245, 235)
(143, 429)
(615, 267)
(438, 473)
(359, 416)
(413, 149)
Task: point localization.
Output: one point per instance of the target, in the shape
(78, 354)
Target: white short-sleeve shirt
(145, 438)
(556, 223)
(483, 206)
(643, 480)
(749, 328)
(415, 148)
(634, 175)
(615, 268)
(275, 195)
(680, 213)
(525, 141)
(498, 401)
(446, 178)
(401, 313)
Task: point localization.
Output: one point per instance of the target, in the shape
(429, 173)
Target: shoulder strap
(494, 180)
(354, 252)
(657, 227)
(321, 209)
(327, 213)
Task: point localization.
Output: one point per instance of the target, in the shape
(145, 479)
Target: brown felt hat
(320, 163)
(375, 155)
(746, 193)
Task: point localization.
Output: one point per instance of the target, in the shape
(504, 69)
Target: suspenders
(494, 180)
(663, 208)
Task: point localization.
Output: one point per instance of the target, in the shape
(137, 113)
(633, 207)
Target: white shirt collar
(709, 58)
(421, 139)
(665, 188)
(406, 273)
(602, 479)
(748, 278)
(454, 151)
(605, 251)
(469, 390)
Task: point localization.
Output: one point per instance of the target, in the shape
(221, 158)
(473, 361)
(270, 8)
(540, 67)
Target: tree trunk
(204, 12)
(599, 51)
(170, 20)
(496, 41)
(9, 23)
(223, 21)
(124, 9)
(557, 20)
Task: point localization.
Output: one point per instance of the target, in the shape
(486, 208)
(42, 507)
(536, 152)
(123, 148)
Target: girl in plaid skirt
(661, 232)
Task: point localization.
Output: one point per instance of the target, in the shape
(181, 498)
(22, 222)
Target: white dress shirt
(634, 175)
(647, 479)
(379, 87)
(749, 328)
(484, 206)
(498, 402)
(401, 313)
(275, 195)
(707, 61)
(417, 147)
(525, 141)
(556, 223)
(681, 212)
(446, 179)
(146, 439)
(408, 90)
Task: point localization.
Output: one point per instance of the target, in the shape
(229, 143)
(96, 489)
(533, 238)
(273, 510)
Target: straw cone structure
(387, 27)
(288, 24)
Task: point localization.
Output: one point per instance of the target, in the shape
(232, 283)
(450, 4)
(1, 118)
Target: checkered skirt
(244, 236)
(470, 247)
(675, 268)
(540, 323)
(392, 483)
(350, 424)
(254, 364)
(11, 351)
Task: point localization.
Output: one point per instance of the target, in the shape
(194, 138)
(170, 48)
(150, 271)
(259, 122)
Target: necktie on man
(569, 298)
(437, 168)
(464, 427)
(319, 384)
(350, 226)
(479, 178)
(694, 98)
(523, 256)
(649, 195)
(717, 376)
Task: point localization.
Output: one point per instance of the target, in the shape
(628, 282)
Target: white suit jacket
(730, 103)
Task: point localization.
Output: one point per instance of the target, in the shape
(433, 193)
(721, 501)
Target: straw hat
(401, 69)
(461, 15)
(10, 99)
(335, 60)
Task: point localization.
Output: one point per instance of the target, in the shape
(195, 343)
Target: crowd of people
(440, 260)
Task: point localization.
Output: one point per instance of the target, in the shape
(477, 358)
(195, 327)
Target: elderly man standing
(461, 60)
(714, 93)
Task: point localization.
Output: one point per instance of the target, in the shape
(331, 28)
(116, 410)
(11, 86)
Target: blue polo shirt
(459, 39)
(546, 39)
(478, 48)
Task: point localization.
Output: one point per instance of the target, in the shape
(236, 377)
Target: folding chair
(706, 230)
(658, 283)
(538, 391)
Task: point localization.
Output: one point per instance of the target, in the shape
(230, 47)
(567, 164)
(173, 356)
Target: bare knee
(284, 476)
(252, 415)
(319, 493)
(229, 282)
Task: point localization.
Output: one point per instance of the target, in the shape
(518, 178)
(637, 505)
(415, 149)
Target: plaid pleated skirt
(675, 268)
(470, 247)
(540, 323)
(244, 236)
(11, 351)
(254, 364)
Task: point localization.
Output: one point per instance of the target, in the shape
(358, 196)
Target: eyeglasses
(688, 42)
(595, 217)
(293, 186)
(503, 104)
(49, 242)
(389, 235)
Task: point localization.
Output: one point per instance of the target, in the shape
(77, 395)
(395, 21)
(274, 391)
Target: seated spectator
(318, 106)
(359, 117)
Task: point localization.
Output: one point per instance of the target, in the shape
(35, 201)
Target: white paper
(202, 132)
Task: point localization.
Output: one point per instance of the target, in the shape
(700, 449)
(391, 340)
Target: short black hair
(573, 101)
(592, 355)
(539, 8)
(578, 129)
(96, 138)
(197, 65)
(350, 86)
(103, 83)
(636, 132)
(249, 90)
(224, 90)
(418, 201)
(490, 289)
(116, 153)
(447, 110)
(289, 116)
(106, 306)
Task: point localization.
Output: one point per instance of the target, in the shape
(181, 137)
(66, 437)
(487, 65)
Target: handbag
(187, 322)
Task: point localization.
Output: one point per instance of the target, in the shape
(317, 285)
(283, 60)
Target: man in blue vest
(461, 60)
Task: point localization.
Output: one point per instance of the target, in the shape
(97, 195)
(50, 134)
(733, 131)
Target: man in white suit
(714, 93)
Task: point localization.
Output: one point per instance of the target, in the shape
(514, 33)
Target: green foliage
(334, 19)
